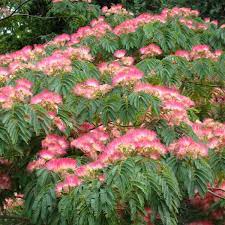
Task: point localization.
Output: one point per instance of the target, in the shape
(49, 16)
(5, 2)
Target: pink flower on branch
(151, 50)
(91, 143)
(127, 75)
(186, 146)
(61, 164)
(120, 53)
(47, 99)
(91, 89)
(19, 93)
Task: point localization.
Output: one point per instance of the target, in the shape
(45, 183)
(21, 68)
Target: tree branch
(35, 16)
(25, 2)
(216, 195)
(218, 189)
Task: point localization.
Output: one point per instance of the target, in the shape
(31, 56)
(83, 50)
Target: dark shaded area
(20, 30)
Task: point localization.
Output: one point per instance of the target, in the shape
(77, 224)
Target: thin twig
(219, 189)
(36, 16)
(25, 2)
(216, 195)
(99, 125)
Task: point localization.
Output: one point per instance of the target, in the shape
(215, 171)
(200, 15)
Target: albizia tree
(121, 122)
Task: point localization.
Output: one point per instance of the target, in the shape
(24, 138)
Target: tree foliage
(120, 122)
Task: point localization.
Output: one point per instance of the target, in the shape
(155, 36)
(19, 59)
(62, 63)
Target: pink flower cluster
(122, 60)
(131, 25)
(13, 202)
(53, 146)
(151, 50)
(183, 53)
(73, 180)
(47, 99)
(174, 105)
(5, 182)
(50, 101)
(80, 53)
(176, 11)
(94, 144)
(147, 217)
(203, 51)
(208, 20)
(91, 169)
(211, 132)
(36, 164)
(61, 164)
(128, 75)
(91, 89)
(120, 53)
(4, 74)
(98, 29)
(69, 182)
(19, 60)
(71, 53)
(38, 50)
(121, 63)
(110, 68)
(4, 162)
(61, 39)
(115, 9)
(164, 93)
(58, 63)
(67, 167)
(55, 64)
(21, 55)
(136, 141)
(16, 67)
(199, 51)
(186, 146)
(91, 143)
(58, 122)
(19, 93)
(193, 25)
